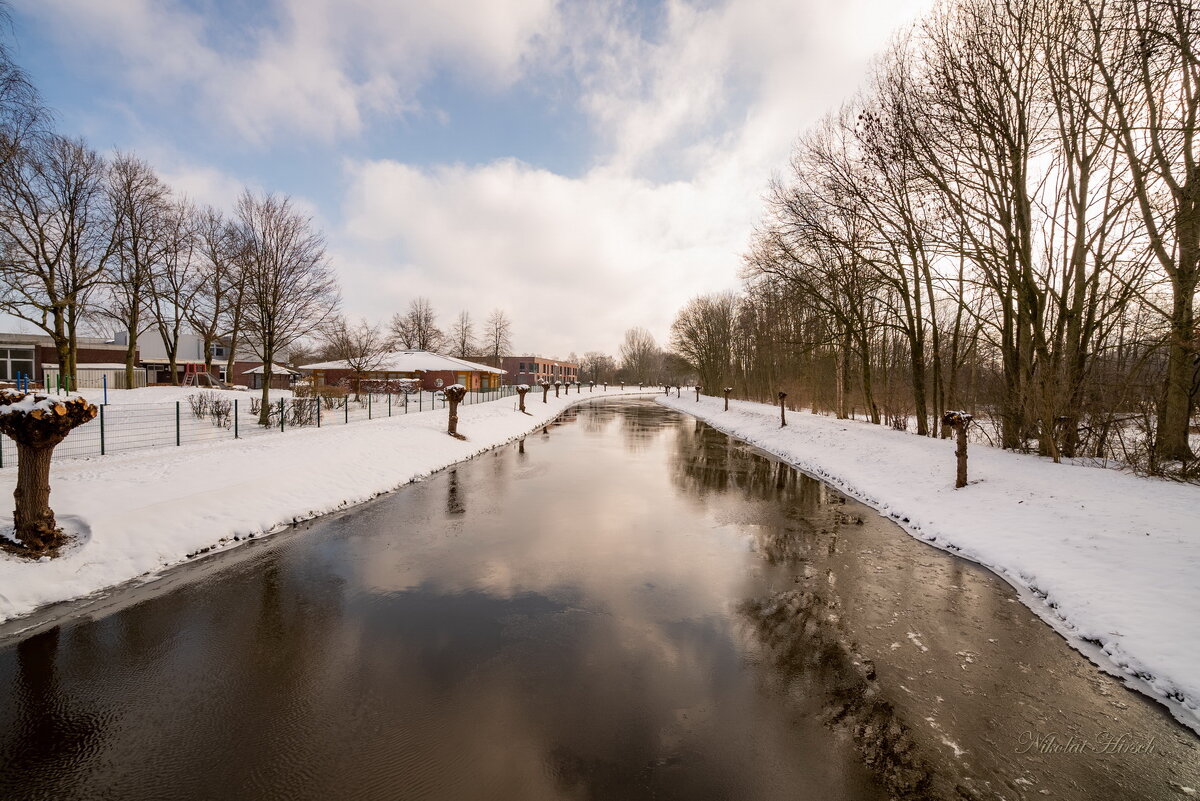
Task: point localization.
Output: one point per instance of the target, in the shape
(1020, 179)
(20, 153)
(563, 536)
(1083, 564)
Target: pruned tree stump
(454, 395)
(960, 422)
(37, 423)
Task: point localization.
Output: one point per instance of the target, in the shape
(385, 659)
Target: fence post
(235, 418)
(318, 400)
(102, 428)
(346, 408)
(105, 379)
(281, 414)
(177, 424)
(369, 396)
(389, 404)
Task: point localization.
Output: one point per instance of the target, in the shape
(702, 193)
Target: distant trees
(462, 335)
(497, 335)
(640, 357)
(362, 346)
(417, 328)
(597, 366)
(703, 335)
(289, 287)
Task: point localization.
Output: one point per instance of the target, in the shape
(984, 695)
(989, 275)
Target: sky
(585, 166)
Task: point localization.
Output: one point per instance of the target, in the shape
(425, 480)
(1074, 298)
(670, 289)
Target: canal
(628, 604)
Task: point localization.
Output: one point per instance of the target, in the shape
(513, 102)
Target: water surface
(626, 605)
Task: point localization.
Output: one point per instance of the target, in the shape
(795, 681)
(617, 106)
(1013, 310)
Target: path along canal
(626, 605)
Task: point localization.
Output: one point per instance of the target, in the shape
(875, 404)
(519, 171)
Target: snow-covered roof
(413, 361)
(275, 368)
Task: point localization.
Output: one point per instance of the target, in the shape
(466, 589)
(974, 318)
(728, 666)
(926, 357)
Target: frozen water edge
(145, 511)
(1107, 559)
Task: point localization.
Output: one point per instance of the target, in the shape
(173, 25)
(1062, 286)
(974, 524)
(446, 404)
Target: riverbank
(1108, 559)
(136, 513)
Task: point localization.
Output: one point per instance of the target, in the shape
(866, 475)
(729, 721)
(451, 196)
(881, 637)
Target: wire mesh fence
(211, 415)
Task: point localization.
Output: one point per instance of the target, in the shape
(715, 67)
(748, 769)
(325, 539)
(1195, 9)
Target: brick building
(532, 369)
(34, 354)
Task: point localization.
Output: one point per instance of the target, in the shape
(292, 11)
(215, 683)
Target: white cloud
(315, 67)
(695, 124)
(574, 261)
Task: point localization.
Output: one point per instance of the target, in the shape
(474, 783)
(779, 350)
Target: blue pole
(106, 388)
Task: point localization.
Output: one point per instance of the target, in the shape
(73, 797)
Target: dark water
(629, 605)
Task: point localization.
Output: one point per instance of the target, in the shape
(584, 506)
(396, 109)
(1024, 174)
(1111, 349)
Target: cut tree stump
(37, 422)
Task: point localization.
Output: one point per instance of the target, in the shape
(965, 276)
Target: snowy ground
(1109, 559)
(136, 513)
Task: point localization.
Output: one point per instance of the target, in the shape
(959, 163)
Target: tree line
(1005, 219)
(364, 345)
(89, 242)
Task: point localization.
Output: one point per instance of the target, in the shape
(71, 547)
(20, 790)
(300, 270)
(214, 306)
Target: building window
(14, 361)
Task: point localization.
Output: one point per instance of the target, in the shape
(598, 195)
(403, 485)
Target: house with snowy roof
(432, 369)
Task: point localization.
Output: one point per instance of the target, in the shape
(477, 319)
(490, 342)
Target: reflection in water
(625, 604)
(926, 660)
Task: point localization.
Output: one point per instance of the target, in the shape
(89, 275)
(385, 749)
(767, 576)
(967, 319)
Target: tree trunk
(960, 452)
(33, 519)
(264, 413)
(131, 352)
(1172, 440)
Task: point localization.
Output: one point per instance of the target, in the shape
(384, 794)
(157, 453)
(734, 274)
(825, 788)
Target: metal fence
(95, 378)
(211, 415)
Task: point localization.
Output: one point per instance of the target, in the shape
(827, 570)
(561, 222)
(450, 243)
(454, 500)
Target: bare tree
(640, 356)
(215, 309)
(1147, 53)
(175, 280)
(55, 237)
(597, 366)
(363, 347)
(290, 288)
(497, 335)
(462, 335)
(22, 114)
(139, 203)
(703, 335)
(417, 328)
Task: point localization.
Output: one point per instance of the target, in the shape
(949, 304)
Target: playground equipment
(194, 375)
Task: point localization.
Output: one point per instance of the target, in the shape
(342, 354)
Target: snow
(139, 512)
(26, 402)
(1109, 559)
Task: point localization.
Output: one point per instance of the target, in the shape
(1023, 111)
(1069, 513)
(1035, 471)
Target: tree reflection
(814, 656)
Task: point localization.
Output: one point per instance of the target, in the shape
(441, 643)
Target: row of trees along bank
(99, 243)
(1006, 219)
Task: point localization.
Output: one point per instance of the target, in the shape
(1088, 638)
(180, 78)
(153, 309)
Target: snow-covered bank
(139, 512)
(1111, 560)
